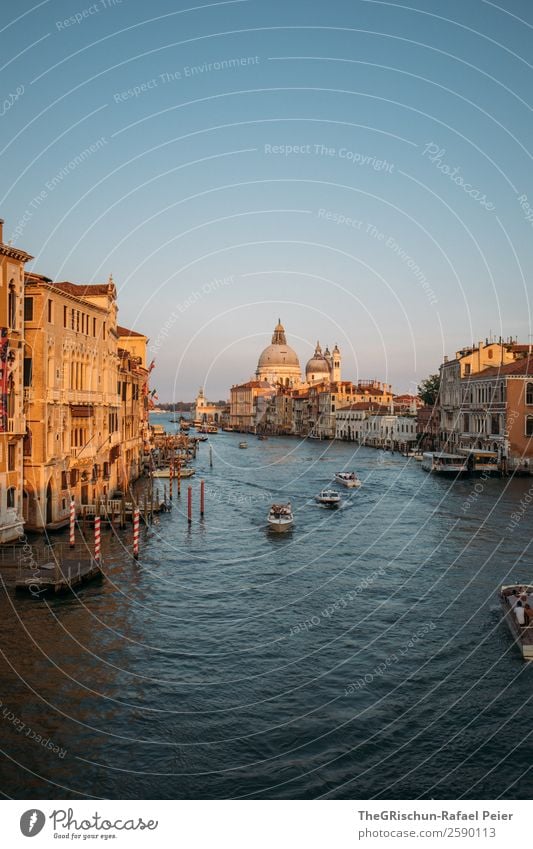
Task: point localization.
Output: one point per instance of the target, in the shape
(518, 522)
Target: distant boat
(348, 479)
(280, 517)
(329, 498)
(243, 445)
(523, 634)
(262, 437)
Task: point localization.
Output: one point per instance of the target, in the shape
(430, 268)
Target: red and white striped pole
(72, 523)
(202, 498)
(189, 505)
(171, 478)
(136, 522)
(97, 538)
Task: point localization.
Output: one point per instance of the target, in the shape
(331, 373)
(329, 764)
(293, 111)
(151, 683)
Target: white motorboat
(280, 517)
(348, 479)
(329, 498)
(243, 445)
(510, 596)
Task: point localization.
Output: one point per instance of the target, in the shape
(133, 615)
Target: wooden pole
(189, 504)
(97, 538)
(72, 523)
(211, 456)
(179, 476)
(202, 498)
(136, 513)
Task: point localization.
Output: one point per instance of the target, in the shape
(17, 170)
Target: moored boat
(441, 463)
(512, 595)
(165, 473)
(348, 479)
(280, 517)
(243, 445)
(329, 497)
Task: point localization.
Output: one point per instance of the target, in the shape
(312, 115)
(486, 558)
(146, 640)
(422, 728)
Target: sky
(361, 170)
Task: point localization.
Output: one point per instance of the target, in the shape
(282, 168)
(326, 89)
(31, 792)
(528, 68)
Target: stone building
(83, 398)
(12, 372)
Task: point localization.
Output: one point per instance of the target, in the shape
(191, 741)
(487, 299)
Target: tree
(428, 390)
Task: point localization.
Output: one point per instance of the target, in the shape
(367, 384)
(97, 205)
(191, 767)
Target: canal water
(361, 655)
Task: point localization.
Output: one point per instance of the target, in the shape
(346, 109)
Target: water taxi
(510, 595)
(348, 479)
(441, 463)
(280, 517)
(243, 445)
(329, 498)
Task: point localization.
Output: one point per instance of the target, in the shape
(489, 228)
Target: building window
(12, 306)
(11, 495)
(529, 394)
(466, 423)
(28, 309)
(28, 363)
(495, 424)
(64, 480)
(529, 425)
(50, 311)
(11, 457)
(94, 327)
(467, 368)
(65, 316)
(73, 477)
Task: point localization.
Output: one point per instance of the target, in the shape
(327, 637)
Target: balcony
(15, 425)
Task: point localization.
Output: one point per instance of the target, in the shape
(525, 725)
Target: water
(360, 656)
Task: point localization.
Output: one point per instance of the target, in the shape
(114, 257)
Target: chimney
(1, 231)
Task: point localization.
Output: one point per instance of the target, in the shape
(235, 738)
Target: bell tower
(336, 369)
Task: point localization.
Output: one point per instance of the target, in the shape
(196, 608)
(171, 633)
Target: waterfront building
(12, 373)
(244, 401)
(497, 413)
(85, 387)
(427, 427)
(453, 372)
(132, 388)
(323, 367)
(206, 411)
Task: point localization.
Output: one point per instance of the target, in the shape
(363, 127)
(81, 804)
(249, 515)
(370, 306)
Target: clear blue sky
(210, 156)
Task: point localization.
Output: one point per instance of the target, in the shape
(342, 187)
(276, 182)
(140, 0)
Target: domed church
(279, 363)
(324, 366)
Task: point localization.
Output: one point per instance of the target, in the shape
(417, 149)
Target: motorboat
(328, 497)
(243, 445)
(510, 595)
(280, 517)
(348, 479)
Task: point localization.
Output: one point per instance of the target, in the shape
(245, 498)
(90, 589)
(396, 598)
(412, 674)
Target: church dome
(317, 368)
(279, 362)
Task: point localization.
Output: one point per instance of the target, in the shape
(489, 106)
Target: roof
(522, 367)
(365, 405)
(83, 290)
(254, 384)
(123, 331)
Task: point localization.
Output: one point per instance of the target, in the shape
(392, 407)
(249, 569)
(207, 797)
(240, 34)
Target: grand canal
(361, 655)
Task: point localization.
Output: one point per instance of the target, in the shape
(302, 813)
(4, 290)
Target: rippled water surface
(360, 655)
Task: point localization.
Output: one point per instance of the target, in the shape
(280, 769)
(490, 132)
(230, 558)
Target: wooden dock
(56, 568)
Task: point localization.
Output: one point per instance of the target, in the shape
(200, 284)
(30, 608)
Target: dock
(56, 568)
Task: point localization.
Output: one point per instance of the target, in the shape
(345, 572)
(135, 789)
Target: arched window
(529, 425)
(12, 306)
(11, 495)
(529, 393)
